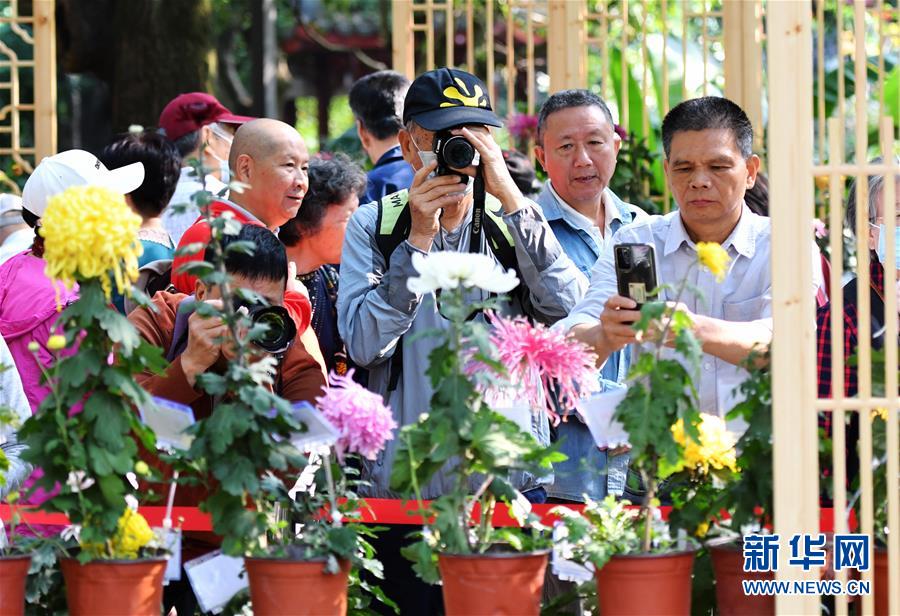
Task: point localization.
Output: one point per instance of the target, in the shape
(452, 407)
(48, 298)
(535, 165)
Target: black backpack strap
(392, 225)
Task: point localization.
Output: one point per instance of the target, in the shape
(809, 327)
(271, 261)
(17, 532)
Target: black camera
(453, 152)
(280, 331)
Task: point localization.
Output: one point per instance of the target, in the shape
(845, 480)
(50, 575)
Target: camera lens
(458, 153)
(280, 328)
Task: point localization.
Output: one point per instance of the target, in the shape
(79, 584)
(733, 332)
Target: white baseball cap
(10, 203)
(76, 168)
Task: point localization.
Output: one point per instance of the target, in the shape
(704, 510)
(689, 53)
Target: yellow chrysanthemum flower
(56, 342)
(880, 412)
(90, 233)
(133, 534)
(715, 449)
(714, 258)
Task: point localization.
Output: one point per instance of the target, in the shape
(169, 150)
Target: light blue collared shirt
(744, 295)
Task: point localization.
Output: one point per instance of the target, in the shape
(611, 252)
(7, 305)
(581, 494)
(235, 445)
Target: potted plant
(293, 542)
(664, 427)
(483, 569)
(86, 434)
(744, 504)
(317, 543)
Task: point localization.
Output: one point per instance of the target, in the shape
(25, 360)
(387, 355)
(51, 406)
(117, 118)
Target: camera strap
(476, 240)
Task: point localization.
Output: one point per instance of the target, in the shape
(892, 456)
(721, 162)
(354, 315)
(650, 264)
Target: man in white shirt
(201, 128)
(15, 235)
(709, 165)
(577, 146)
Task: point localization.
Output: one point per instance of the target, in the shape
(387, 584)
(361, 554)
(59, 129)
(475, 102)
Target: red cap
(188, 112)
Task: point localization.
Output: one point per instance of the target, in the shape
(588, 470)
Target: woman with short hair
(314, 239)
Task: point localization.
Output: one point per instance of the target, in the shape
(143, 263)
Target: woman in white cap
(15, 235)
(28, 299)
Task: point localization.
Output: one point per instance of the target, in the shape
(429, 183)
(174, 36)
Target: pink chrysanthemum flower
(538, 354)
(522, 125)
(360, 415)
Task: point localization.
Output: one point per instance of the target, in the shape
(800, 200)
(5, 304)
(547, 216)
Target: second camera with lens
(280, 331)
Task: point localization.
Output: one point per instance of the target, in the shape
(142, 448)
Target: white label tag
(319, 431)
(169, 420)
(215, 578)
(171, 539)
(563, 568)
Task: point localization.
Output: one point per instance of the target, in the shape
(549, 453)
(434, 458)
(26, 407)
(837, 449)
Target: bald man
(270, 158)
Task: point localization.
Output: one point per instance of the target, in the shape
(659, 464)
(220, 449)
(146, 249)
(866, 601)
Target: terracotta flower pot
(646, 584)
(728, 564)
(13, 571)
(301, 587)
(114, 587)
(881, 582)
(493, 583)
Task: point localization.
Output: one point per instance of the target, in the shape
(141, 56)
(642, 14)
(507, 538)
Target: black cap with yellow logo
(448, 97)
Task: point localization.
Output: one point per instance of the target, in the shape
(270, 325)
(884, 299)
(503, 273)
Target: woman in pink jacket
(30, 302)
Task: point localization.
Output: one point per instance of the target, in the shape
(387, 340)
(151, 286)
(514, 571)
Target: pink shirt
(28, 312)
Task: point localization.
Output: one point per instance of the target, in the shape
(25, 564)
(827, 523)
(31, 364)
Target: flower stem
(668, 325)
(647, 507)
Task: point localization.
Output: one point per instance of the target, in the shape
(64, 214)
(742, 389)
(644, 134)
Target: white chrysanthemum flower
(449, 270)
(79, 481)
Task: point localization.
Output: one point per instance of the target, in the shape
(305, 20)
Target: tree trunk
(147, 51)
(162, 50)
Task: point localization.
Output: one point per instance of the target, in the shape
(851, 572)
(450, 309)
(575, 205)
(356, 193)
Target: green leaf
(241, 247)
(191, 249)
(236, 476)
(113, 491)
(200, 269)
(119, 329)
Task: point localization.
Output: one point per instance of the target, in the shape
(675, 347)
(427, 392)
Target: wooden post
(742, 37)
(44, 79)
(565, 48)
(402, 48)
(796, 481)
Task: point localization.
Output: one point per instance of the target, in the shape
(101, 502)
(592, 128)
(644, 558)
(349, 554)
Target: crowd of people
(335, 247)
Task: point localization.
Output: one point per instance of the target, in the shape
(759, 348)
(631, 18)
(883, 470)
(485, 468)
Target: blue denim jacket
(587, 471)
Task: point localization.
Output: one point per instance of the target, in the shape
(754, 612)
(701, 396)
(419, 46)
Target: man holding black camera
(460, 176)
(195, 344)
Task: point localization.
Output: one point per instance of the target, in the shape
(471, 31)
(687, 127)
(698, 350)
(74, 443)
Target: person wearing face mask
(877, 213)
(381, 320)
(201, 128)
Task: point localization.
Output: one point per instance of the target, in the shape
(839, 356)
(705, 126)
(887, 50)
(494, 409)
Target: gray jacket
(375, 309)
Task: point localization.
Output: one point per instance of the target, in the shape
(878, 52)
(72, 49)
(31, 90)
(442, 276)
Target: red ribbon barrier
(376, 511)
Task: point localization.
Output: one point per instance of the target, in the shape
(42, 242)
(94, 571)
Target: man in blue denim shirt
(377, 104)
(577, 147)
